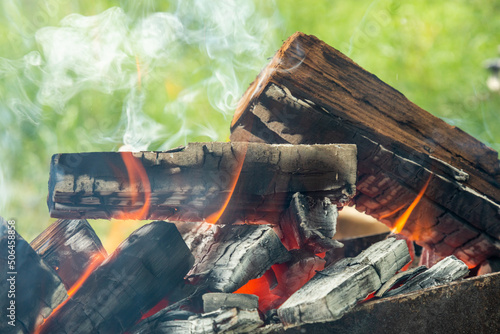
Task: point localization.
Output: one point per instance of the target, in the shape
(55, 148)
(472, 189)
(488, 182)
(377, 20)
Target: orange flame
(401, 221)
(214, 217)
(136, 174)
(98, 258)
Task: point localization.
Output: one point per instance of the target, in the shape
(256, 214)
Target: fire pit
(248, 246)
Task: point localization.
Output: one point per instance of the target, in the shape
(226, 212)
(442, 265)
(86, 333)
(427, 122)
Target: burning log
(195, 182)
(30, 289)
(310, 85)
(216, 300)
(69, 247)
(231, 320)
(353, 247)
(445, 271)
(310, 223)
(238, 254)
(335, 290)
(144, 269)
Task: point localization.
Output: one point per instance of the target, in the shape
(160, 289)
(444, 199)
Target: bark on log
(238, 254)
(309, 223)
(334, 291)
(30, 289)
(69, 247)
(310, 85)
(194, 182)
(144, 269)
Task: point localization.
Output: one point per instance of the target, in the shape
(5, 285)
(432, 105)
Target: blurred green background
(155, 75)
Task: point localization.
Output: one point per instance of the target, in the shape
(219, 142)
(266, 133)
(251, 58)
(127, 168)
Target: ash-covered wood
(334, 291)
(398, 279)
(232, 320)
(69, 247)
(30, 289)
(198, 236)
(353, 247)
(310, 85)
(194, 182)
(445, 271)
(144, 269)
(238, 254)
(215, 300)
(310, 223)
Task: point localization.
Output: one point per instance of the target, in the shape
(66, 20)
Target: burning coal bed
(242, 238)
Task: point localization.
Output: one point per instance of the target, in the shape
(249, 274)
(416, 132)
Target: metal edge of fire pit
(468, 306)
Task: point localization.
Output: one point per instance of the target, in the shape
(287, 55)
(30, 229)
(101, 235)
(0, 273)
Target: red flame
(97, 259)
(136, 175)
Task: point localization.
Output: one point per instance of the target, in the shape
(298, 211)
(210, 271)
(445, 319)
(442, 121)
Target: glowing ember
(400, 223)
(137, 175)
(96, 261)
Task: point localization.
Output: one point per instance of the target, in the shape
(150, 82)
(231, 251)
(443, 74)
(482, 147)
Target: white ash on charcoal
(399, 279)
(192, 183)
(398, 152)
(310, 223)
(445, 271)
(335, 290)
(217, 300)
(238, 254)
(232, 320)
(69, 247)
(30, 289)
(143, 270)
(353, 247)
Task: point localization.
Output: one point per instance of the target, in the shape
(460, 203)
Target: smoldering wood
(193, 182)
(69, 247)
(28, 281)
(452, 308)
(238, 254)
(489, 266)
(231, 320)
(144, 269)
(445, 271)
(217, 300)
(334, 291)
(198, 236)
(310, 85)
(398, 279)
(311, 223)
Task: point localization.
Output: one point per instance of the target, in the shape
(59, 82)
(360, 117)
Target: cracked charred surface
(193, 182)
(143, 270)
(312, 93)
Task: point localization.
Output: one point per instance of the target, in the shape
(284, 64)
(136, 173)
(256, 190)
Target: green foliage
(431, 51)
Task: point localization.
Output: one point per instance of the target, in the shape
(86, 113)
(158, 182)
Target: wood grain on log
(334, 291)
(69, 247)
(144, 269)
(217, 300)
(27, 281)
(310, 85)
(194, 182)
(238, 254)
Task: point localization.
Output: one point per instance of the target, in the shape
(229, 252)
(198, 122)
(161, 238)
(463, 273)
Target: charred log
(334, 291)
(218, 300)
(400, 146)
(193, 183)
(30, 288)
(69, 247)
(238, 254)
(144, 269)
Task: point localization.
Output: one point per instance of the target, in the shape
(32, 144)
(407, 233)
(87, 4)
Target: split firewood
(218, 300)
(30, 288)
(310, 223)
(143, 270)
(230, 321)
(193, 183)
(69, 247)
(335, 290)
(238, 254)
(310, 85)
(445, 271)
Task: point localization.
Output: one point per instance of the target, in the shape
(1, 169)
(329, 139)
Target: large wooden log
(310, 85)
(144, 269)
(194, 182)
(30, 289)
(69, 247)
(335, 290)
